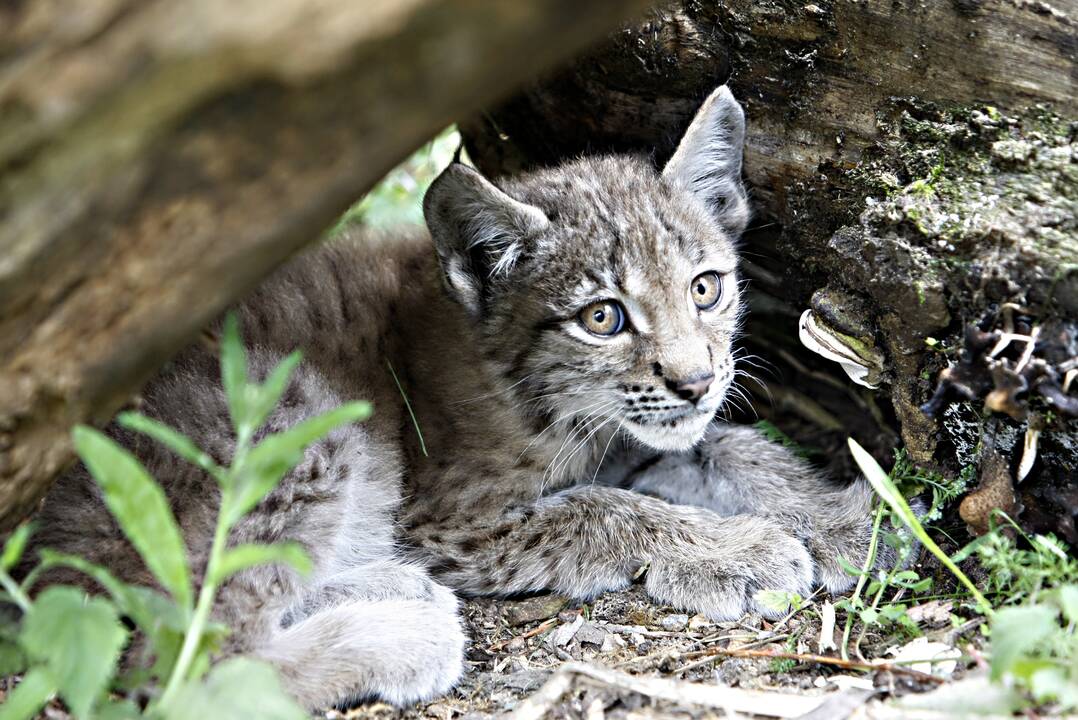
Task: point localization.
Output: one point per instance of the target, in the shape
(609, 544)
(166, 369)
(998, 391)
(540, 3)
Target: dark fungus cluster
(1007, 360)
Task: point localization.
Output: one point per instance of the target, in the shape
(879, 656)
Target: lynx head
(606, 291)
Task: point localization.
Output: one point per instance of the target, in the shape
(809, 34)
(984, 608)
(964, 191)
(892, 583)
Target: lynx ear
(707, 161)
(478, 231)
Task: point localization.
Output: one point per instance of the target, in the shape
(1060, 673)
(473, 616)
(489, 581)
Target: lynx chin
(565, 340)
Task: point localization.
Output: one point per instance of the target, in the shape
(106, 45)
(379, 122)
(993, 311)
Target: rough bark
(158, 158)
(914, 167)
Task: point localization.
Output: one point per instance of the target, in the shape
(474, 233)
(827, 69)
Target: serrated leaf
(242, 557)
(1017, 630)
(78, 638)
(265, 397)
(140, 507)
(174, 440)
(236, 689)
(234, 373)
(15, 546)
(268, 462)
(33, 691)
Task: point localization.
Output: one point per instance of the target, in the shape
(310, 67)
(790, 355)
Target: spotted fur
(551, 458)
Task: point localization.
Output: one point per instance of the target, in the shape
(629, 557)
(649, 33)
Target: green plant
(1033, 640)
(67, 643)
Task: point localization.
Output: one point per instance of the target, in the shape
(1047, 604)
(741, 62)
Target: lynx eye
(706, 290)
(604, 318)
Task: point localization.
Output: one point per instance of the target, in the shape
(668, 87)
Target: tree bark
(914, 171)
(159, 158)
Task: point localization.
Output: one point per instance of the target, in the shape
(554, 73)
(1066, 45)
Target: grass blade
(886, 489)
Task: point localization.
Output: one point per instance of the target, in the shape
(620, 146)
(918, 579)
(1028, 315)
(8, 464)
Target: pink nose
(692, 389)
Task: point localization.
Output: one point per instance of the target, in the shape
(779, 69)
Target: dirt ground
(624, 657)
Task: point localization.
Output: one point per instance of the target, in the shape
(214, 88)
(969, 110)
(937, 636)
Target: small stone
(591, 634)
(611, 643)
(936, 613)
(533, 609)
(566, 632)
(568, 615)
(526, 680)
(1012, 150)
(699, 622)
(675, 623)
(516, 645)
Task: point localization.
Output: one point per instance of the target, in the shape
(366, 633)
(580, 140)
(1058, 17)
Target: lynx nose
(692, 389)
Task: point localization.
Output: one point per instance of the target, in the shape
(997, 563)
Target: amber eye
(706, 290)
(604, 318)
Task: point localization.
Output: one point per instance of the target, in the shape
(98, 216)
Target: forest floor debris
(623, 656)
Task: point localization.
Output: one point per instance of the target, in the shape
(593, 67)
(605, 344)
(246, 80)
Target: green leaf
(265, 397)
(79, 639)
(12, 659)
(848, 568)
(132, 600)
(1068, 601)
(234, 374)
(268, 462)
(885, 488)
(119, 710)
(1017, 630)
(1051, 684)
(163, 622)
(236, 689)
(15, 546)
(31, 694)
(170, 438)
(242, 557)
(776, 600)
(139, 504)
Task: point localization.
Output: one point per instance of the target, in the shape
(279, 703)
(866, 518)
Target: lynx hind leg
(383, 631)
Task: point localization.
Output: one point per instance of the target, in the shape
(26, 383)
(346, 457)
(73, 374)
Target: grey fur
(557, 459)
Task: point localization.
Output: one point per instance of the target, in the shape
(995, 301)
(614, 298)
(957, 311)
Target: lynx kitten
(565, 341)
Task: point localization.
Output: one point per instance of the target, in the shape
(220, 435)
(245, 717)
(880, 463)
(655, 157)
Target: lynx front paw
(845, 531)
(723, 580)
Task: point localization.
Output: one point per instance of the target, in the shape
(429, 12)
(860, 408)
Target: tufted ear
(478, 231)
(707, 161)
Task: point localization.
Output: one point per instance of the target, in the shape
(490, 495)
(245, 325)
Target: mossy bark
(914, 170)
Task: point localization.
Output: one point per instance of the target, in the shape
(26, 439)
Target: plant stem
(193, 636)
(886, 489)
(870, 560)
(19, 597)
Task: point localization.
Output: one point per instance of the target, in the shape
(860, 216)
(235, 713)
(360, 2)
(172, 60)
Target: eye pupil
(706, 290)
(604, 318)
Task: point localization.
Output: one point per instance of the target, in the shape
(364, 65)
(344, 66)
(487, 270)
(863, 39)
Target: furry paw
(846, 531)
(724, 578)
